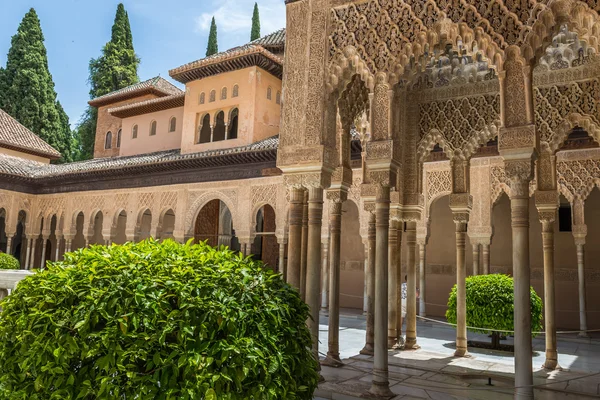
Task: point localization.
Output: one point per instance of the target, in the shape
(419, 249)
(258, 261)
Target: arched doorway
(265, 245)
(144, 225)
(19, 246)
(120, 224)
(79, 237)
(214, 225)
(167, 225)
(97, 221)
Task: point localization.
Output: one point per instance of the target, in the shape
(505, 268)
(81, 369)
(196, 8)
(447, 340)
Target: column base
(462, 353)
(332, 360)
(411, 344)
(380, 390)
(368, 350)
(391, 342)
(551, 363)
(583, 335)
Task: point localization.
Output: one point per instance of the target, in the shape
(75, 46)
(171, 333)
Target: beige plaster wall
(441, 259)
(144, 143)
(27, 156)
(251, 125)
(107, 122)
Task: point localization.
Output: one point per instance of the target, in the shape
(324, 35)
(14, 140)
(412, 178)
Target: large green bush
(155, 321)
(8, 262)
(490, 304)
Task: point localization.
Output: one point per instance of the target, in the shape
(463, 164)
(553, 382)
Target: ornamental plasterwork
(262, 195)
(565, 51)
(577, 173)
(499, 182)
(438, 182)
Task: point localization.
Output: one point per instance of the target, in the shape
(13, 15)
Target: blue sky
(166, 34)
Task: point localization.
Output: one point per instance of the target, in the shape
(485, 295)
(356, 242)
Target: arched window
(119, 139)
(134, 132)
(278, 97)
(223, 93)
(204, 130)
(235, 92)
(213, 95)
(233, 124)
(152, 128)
(219, 131)
(269, 92)
(108, 140)
(172, 124)
(202, 98)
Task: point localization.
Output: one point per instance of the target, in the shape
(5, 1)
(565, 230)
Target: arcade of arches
(475, 117)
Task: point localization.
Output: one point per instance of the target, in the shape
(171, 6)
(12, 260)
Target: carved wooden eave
(231, 60)
(156, 86)
(148, 106)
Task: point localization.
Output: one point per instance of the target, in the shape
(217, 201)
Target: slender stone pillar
(411, 287)
(370, 278)
(57, 253)
(547, 219)
(313, 263)
(392, 279)
(325, 276)
(68, 244)
(9, 238)
(303, 256)
(365, 271)
(282, 268)
(461, 295)
(28, 252)
(579, 243)
(485, 258)
(380, 384)
(476, 253)
(43, 255)
(422, 266)
(295, 237)
(520, 234)
(335, 226)
(399, 278)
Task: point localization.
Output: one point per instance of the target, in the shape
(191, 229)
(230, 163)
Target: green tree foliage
(8, 262)
(490, 304)
(255, 32)
(155, 320)
(115, 69)
(27, 90)
(213, 47)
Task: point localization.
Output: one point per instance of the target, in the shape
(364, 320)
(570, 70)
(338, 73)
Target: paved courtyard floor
(432, 372)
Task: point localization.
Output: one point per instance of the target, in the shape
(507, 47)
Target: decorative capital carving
(518, 174)
(369, 206)
(337, 195)
(381, 149)
(517, 137)
(579, 233)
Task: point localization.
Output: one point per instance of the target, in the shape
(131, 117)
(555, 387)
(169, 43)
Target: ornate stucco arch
(200, 202)
(571, 121)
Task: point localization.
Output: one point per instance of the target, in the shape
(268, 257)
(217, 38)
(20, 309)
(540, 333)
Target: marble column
(392, 279)
(476, 252)
(9, 237)
(313, 263)
(43, 256)
(303, 255)
(325, 276)
(411, 287)
(370, 278)
(57, 253)
(579, 243)
(380, 383)
(547, 219)
(68, 244)
(335, 226)
(399, 277)
(485, 258)
(422, 267)
(295, 237)
(365, 271)
(29, 251)
(460, 222)
(282, 267)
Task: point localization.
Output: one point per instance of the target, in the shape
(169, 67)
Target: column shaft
(303, 256)
(582, 303)
(325, 274)
(365, 268)
(8, 244)
(370, 278)
(485, 254)
(57, 253)
(27, 252)
(476, 259)
(335, 226)
(43, 256)
(422, 267)
(411, 287)
(282, 269)
(295, 237)
(313, 263)
(549, 303)
(392, 279)
(380, 384)
(461, 295)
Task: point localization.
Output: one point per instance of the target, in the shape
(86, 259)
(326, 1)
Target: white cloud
(235, 16)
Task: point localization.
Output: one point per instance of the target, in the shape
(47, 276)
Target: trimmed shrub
(8, 262)
(155, 320)
(490, 304)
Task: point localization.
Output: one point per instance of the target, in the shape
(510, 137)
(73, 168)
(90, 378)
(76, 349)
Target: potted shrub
(155, 320)
(490, 305)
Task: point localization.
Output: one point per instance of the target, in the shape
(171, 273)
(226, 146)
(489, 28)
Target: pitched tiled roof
(259, 151)
(157, 85)
(273, 41)
(15, 136)
(148, 106)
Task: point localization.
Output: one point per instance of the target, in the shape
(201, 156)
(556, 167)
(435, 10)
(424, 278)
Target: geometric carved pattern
(577, 178)
(168, 200)
(554, 103)
(146, 200)
(439, 183)
(264, 195)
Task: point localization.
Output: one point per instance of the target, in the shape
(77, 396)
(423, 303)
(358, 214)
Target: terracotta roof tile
(147, 106)
(17, 137)
(273, 40)
(157, 85)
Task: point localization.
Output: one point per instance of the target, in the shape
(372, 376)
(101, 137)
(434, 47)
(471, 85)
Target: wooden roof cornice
(148, 106)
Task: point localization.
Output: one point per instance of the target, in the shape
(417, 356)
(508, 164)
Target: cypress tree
(28, 93)
(115, 69)
(255, 32)
(213, 47)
